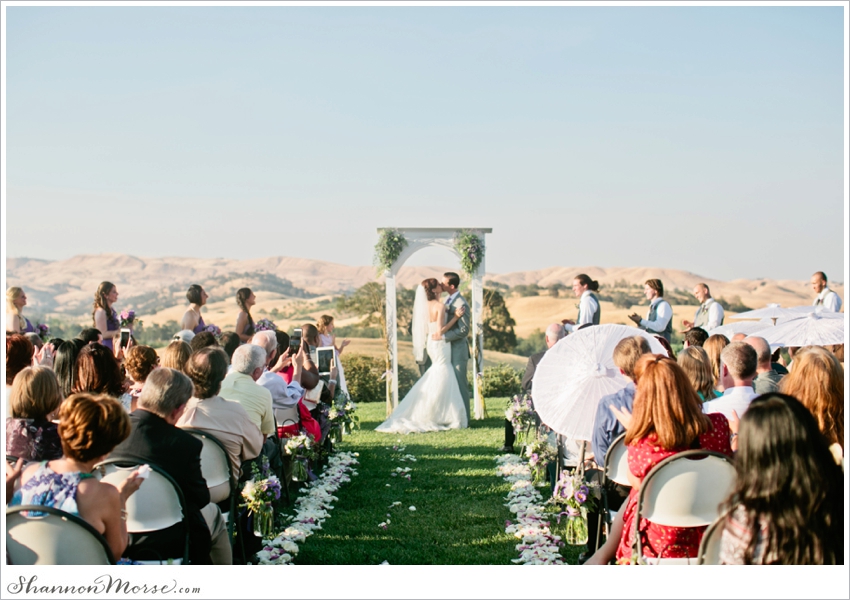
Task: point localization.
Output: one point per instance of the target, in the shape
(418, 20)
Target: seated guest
(817, 381)
(738, 368)
(667, 347)
(695, 337)
(283, 365)
(175, 355)
(713, 346)
(694, 361)
(667, 420)
(184, 335)
(766, 380)
(154, 439)
(36, 340)
(65, 364)
(283, 395)
(19, 356)
(99, 373)
(140, 362)
(229, 342)
(205, 339)
(240, 386)
(34, 400)
(209, 412)
(89, 428)
(787, 506)
(90, 335)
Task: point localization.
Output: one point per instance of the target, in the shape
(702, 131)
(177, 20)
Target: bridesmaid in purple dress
(16, 300)
(104, 316)
(192, 319)
(245, 298)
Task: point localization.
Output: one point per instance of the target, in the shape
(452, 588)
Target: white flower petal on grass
(412, 509)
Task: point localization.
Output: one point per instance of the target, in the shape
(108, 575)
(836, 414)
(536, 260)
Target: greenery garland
(389, 247)
(471, 250)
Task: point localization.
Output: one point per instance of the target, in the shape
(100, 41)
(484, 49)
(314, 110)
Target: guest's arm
(608, 550)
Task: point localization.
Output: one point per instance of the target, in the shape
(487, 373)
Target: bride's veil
(419, 324)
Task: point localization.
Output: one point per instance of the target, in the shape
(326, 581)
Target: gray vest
(668, 331)
(598, 308)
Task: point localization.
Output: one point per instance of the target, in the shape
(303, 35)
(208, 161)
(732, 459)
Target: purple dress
(32, 440)
(29, 328)
(112, 325)
(200, 326)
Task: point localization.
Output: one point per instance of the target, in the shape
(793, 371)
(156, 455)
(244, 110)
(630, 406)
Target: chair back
(42, 535)
(709, 548)
(157, 504)
(687, 489)
(617, 462)
(215, 466)
(287, 416)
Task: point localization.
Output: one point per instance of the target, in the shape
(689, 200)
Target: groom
(458, 334)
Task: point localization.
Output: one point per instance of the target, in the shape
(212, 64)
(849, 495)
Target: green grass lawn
(460, 514)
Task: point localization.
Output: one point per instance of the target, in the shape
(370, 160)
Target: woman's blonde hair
(817, 381)
(713, 346)
(175, 355)
(323, 323)
(12, 294)
(694, 362)
(35, 393)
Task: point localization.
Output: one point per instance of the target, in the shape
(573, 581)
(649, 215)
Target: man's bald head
(554, 332)
(762, 349)
(738, 337)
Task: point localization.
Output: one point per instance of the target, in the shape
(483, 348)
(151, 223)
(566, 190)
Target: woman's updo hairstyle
(90, 426)
(140, 361)
(430, 287)
(591, 284)
(193, 295)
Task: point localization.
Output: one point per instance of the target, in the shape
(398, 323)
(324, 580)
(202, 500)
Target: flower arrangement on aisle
(390, 245)
(470, 247)
(265, 325)
(539, 546)
(259, 493)
(301, 448)
(520, 412)
(312, 509)
(343, 418)
(43, 332)
(539, 453)
(128, 318)
(573, 498)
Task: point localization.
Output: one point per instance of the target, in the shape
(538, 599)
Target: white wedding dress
(434, 403)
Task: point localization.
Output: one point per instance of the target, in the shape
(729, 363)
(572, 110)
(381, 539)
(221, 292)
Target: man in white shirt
(588, 308)
(240, 386)
(659, 319)
(738, 364)
(709, 314)
(825, 296)
(283, 395)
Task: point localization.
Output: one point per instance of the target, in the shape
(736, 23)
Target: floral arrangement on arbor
(259, 494)
(539, 454)
(128, 318)
(471, 250)
(43, 331)
(265, 325)
(390, 244)
(573, 498)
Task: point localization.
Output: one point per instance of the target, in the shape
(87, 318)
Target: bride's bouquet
(259, 494)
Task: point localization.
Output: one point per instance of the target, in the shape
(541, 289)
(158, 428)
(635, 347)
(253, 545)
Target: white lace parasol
(813, 329)
(576, 373)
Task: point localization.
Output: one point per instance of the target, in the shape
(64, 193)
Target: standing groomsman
(659, 319)
(709, 314)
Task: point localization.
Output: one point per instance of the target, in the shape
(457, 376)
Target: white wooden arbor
(422, 237)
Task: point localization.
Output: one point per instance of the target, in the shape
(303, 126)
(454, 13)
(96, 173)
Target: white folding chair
(158, 504)
(684, 490)
(216, 469)
(709, 547)
(615, 469)
(42, 535)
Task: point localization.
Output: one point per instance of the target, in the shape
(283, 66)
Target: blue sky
(703, 138)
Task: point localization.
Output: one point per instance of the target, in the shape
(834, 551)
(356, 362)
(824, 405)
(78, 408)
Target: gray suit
(457, 336)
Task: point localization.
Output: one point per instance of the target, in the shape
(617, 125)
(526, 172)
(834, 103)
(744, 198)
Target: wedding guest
(326, 327)
(710, 313)
(192, 319)
(208, 411)
(667, 420)
(659, 319)
(667, 347)
(838, 351)
(817, 381)
(140, 362)
(65, 364)
(825, 296)
(184, 335)
(154, 439)
(205, 339)
(34, 399)
(104, 317)
(240, 385)
(713, 346)
(787, 506)
(695, 336)
(309, 342)
(229, 342)
(175, 355)
(245, 299)
(35, 340)
(696, 365)
(738, 337)
(589, 310)
(16, 322)
(19, 355)
(90, 335)
(99, 373)
(89, 428)
(283, 365)
(766, 380)
(737, 370)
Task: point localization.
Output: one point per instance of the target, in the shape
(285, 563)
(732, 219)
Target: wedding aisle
(433, 498)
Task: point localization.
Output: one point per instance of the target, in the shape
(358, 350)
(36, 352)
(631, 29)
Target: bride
(434, 403)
